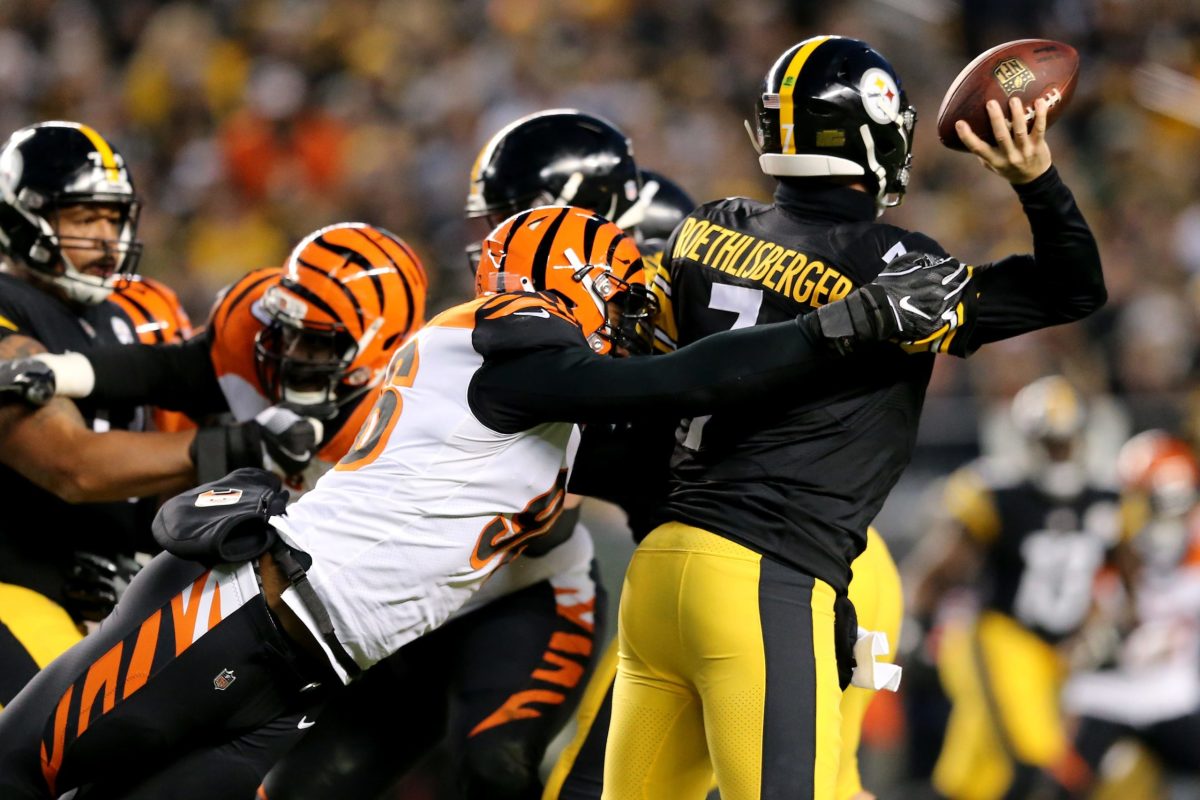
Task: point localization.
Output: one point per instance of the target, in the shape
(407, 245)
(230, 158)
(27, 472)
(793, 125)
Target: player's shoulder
(241, 296)
(731, 208)
(988, 475)
(880, 242)
(236, 319)
(21, 303)
(515, 322)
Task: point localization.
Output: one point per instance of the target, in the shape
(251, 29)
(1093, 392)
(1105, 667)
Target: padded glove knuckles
(27, 380)
(914, 297)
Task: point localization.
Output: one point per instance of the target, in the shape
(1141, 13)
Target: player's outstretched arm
(917, 296)
(52, 446)
(177, 377)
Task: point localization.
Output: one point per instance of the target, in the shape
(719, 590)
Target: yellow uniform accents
(715, 653)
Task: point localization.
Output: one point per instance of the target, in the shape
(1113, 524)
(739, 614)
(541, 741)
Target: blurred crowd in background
(248, 123)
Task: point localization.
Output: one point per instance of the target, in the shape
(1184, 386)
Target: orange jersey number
(401, 373)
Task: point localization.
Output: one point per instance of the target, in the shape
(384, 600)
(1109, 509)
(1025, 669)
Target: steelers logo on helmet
(832, 106)
(880, 95)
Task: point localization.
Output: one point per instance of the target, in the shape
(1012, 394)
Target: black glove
(916, 296)
(96, 583)
(278, 440)
(290, 440)
(27, 380)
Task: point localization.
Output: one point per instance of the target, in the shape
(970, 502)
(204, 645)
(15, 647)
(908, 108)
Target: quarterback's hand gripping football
(914, 297)
(1021, 153)
(27, 380)
(289, 439)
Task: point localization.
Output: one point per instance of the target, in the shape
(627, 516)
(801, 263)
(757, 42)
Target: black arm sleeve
(179, 377)
(571, 384)
(1061, 282)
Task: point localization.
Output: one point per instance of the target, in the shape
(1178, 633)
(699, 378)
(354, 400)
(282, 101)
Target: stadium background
(248, 124)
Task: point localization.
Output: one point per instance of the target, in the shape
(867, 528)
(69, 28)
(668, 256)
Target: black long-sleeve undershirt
(571, 384)
(178, 377)
(1060, 282)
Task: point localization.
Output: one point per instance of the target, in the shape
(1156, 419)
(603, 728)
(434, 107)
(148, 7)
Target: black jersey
(1041, 553)
(799, 477)
(38, 531)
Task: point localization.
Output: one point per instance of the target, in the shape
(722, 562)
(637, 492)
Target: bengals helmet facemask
(350, 294)
(49, 168)
(834, 107)
(555, 157)
(584, 259)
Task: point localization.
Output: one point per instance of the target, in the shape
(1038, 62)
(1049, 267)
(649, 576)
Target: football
(1026, 68)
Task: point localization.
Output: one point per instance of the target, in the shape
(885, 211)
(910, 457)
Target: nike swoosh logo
(541, 312)
(305, 723)
(953, 275)
(910, 308)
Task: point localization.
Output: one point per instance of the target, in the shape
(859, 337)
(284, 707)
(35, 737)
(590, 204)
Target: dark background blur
(249, 124)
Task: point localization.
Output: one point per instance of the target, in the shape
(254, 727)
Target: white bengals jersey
(431, 501)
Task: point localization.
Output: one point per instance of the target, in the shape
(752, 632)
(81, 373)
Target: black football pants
(155, 704)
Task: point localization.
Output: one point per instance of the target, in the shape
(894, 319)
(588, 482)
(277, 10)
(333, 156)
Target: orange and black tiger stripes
(155, 311)
(315, 290)
(545, 246)
(125, 668)
(238, 293)
(505, 304)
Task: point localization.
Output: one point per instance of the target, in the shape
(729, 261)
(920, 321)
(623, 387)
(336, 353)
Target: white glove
(289, 440)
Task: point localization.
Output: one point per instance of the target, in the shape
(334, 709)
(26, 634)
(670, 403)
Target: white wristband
(73, 373)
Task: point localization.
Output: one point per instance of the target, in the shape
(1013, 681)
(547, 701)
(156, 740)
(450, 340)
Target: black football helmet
(556, 157)
(666, 204)
(53, 165)
(832, 106)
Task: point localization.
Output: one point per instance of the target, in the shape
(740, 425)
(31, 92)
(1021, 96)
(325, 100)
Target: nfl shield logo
(224, 680)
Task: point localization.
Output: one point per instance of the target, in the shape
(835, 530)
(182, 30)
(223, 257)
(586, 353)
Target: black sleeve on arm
(1061, 282)
(179, 377)
(571, 384)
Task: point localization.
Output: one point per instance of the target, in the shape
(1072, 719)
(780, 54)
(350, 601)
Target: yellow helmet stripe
(106, 153)
(788, 85)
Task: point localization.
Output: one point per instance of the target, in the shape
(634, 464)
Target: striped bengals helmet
(157, 314)
(348, 296)
(586, 260)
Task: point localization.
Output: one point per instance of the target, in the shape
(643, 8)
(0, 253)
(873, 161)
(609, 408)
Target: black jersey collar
(810, 200)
